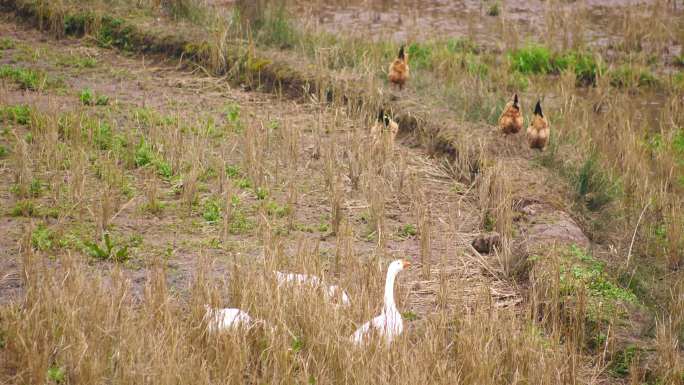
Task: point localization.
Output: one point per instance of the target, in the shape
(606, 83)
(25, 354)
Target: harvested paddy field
(157, 158)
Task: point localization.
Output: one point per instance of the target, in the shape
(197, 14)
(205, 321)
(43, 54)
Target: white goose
(330, 291)
(389, 323)
(219, 320)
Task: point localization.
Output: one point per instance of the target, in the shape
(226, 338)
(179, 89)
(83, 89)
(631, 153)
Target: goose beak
(405, 264)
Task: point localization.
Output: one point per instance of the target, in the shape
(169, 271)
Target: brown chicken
(538, 131)
(399, 69)
(511, 119)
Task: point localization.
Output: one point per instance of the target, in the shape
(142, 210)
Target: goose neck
(390, 306)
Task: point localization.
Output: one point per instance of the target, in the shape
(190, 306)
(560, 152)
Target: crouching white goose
(389, 323)
(219, 320)
(330, 291)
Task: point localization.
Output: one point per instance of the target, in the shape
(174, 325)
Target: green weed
(42, 238)
(593, 186)
(420, 55)
(537, 59)
(580, 268)
(274, 209)
(233, 117)
(407, 231)
(243, 183)
(261, 193)
(3, 151)
(233, 171)
(211, 211)
(36, 187)
(20, 114)
(679, 60)
(75, 24)
(584, 64)
(24, 208)
(622, 361)
(627, 76)
(533, 59)
(461, 45)
(114, 33)
(107, 251)
(7, 43)
(144, 156)
(102, 100)
(164, 168)
(409, 316)
(240, 223)
(86, 96)
(26, 79)
(89, 98)
(56, 374)
(77, 61)
(323, 227)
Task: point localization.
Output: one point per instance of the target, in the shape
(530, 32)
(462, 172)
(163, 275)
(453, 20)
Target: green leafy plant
(102, 100)
(211, 211)
(297, 344)
(409, 316)
(102, 136)
(594, 186)
(622, 360)
(626, 76)
(6, 43)
(273, 208)
(261, 193)
(580, 268)
(107, 251)
(407, 231)
(233, 171)
(87, 97)
(36, 187)
(77, 61)
(26, 78)
(239, 222)
(114, 33)
(3, 151)
(533, 59)
(233, 117)
(42, 238)
(20, 114)
(24, 208)
(164, 168)
(243, 183)
(56, 374)
(420, 55)
(143, 154)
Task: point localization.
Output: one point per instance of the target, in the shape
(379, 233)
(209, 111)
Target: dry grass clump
(91, 325)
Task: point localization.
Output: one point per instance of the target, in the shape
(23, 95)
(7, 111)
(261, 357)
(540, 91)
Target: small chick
(538, 131)
(399, 69)
(511, 119)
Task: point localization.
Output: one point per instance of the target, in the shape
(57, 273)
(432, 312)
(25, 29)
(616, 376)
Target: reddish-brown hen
(399, 69)
(538, 132)
(511, 119)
